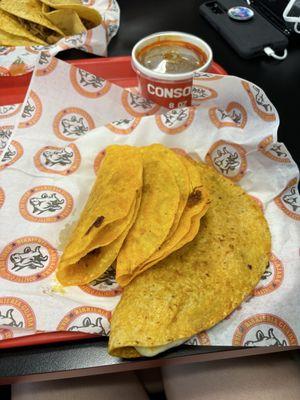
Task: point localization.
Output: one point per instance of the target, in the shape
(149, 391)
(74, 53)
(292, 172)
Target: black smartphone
(248, 37)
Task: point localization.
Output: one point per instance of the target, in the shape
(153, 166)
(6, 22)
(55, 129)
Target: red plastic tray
(12, 90)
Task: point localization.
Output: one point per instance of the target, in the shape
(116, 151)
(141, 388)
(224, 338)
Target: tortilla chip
(18, 33)
(30, 10)
(84, 12)
(66, 20)
(160, 200)
(7, 39)
(103, 218)
(200, 284)
(94, 264)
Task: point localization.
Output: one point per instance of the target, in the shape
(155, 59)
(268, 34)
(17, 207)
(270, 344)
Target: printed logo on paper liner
(86, 319)
(9, 111)
(111, 27)
(271, 279)
(72, 41)
(98, 161)
(228, 158)
(264, 330)
(87, 84)
(4, 50)
(175, 121)
(105, 286)
(5, 334)
(46, 204)
(71, 123)
(46, 64)
(289, 200)
(234, 115)
(36, 49)
(202, 93)
(5, 134)
(201, 339)
(138, 106)
(206, 76)
(12, 154)
(260, 102)
(123, 126)
(16, 313)
(32, 111)
(27, 259)
(274, 151)
(58, 160)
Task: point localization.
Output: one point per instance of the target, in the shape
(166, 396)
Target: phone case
(248, 38)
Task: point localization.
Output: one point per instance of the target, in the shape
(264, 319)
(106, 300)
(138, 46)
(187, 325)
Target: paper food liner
(49, 166)
(20, 60)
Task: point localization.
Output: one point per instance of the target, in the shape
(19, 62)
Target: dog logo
(228, 158)
(274, 151)
(5, 334)
(5, 134)
(104, 286)
(46, 64)
(138, 106)
(202, 93)
(72, 123)
(123, 126)
(98, 161)
(175, 121)
(2, 197)
(46, 204)
(58, 160)
(86, 319)
(11, 155)
(289, 200)
(9, 111)
(87, 84)
(260, 103)
(28, 259)
(272, 277)
(234, 115)
(205, 76)
(16, 313)
(202, 339)
(264, 330)
(32, 111)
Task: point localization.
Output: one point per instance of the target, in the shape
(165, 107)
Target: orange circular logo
(234, 115)
(138, 106)
(27, 259)
(4, 50)
(72, 41)
(9, 111)
(175, 121)
(264, 330)
(271, 279)
(5, 334)
(228, 158)
(58, 160)
(46, 204)
(105, 286)
(205, 76)
(202, 93)
(86, 319)
(201, 339)
(87, 84)
(71, 123)
(123, 126)
(46, 64)
(274, 151)
(98, 161)
(16, 313)
(2, 197)
(289, 200)
(260, 103)
(5, 134)
(87, 41)
(32, 111)
(12, 154)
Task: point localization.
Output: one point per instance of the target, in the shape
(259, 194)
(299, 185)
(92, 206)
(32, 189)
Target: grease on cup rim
(170, 36)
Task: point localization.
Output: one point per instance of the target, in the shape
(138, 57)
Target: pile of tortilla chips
(43, 22)
(146, 203)
(187, 244)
